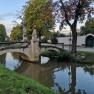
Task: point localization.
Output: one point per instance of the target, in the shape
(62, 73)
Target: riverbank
(13, 83)
(65, 56)
(87, 57)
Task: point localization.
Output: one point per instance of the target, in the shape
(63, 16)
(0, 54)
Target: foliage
(2, 33)
(88, 28)
(64, 56)
(12, 83)
(43, 40)
(16, 33)
(54, 38)
(89, 57)
(70, 12)
(51, 54)
(38, 13)
(2, 59)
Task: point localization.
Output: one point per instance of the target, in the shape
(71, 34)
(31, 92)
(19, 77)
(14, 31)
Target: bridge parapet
(58, 45)
(13, 45)
(49, 46)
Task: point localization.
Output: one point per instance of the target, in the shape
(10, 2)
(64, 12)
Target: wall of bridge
(32, 52)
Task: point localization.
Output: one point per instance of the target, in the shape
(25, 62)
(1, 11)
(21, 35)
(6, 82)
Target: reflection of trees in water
(36, 72)
(72, 84)
(45, 75)
(89, 69)
(16, 55)
(3, 59)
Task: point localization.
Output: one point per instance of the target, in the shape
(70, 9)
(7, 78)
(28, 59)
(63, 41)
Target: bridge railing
(13, 45)
(58, 45)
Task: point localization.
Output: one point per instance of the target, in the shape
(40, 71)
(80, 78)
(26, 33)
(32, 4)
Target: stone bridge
(52, 47)
(28, 53)
(30, 50)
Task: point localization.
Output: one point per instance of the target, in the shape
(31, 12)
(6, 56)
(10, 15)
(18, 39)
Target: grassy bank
(13, 83)
(89, 57)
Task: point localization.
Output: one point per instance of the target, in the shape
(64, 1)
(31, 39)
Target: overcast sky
(9, 9)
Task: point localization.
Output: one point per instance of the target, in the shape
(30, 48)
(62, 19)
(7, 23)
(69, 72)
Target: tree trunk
(39, 45)
(74, 40)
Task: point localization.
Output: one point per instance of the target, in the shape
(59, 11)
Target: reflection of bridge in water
(45, 74)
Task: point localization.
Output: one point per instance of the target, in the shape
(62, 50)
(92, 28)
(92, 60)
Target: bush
(54, 40)
(64, 56)
(51, 54)
(44, 40)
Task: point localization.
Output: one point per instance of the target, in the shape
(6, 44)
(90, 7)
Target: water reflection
(10, 61)
(3, 59)
(63, 77)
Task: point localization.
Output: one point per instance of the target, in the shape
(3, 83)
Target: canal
(62, 77)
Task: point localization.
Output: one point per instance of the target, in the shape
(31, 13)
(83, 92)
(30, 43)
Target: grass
(13, 83)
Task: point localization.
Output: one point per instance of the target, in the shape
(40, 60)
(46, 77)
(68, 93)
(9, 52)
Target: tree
(16, 33)
(88, 28)
(2, 33)
(38, 13)
(71, 12)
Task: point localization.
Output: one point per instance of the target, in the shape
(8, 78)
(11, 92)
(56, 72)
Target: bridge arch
(50, 48)
(24, 55)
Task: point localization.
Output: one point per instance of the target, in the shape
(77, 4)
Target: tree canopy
(16, 33)
(38, 13)
(71, 12)
(2, 33)
(88, 28)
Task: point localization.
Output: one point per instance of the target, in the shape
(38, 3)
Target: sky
(9, 11)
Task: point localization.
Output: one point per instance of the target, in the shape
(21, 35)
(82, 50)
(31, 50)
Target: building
(86, 40)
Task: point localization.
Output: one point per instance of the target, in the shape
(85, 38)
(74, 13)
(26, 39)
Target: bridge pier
(33, 50)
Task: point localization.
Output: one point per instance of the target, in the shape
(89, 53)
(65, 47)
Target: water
(63, 77)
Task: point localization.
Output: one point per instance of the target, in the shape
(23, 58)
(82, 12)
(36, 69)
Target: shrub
(54, 40)
(51, 54)
(64, 56)
(44, 40)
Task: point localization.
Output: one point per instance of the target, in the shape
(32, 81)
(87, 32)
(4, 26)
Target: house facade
(86, 40)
